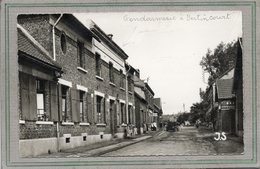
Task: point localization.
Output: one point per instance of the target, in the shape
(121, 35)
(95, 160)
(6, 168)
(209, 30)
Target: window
(129, 115)
(118, 114)
(41, 114)
(64, 101)
(98, 65)
(81, 104)
(122, 112)
(99, 109)
(121, 79)
(111, 72)
(63, 43)
(129, 84)
(81, 57)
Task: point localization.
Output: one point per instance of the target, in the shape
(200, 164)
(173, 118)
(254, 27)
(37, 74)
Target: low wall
(35, 147)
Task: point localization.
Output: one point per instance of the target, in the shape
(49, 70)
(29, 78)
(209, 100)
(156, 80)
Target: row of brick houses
(225, 99)
(76, 87)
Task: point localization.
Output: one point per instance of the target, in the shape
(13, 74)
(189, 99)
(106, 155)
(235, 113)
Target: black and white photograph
(129, 85)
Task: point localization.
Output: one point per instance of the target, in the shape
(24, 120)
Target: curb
(117, 148)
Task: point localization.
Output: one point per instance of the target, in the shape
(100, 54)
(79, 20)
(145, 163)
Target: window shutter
(54, 101)
(47, 99)
(75, 105)
(103, 110)
(59, 101)
(85, 107)
(117, 113)
(24, 92)
(95, 108)
(106, 109)
(89, 108)
(32, 98)
(83, 58)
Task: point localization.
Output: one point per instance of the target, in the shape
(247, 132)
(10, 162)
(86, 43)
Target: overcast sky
(167, 47)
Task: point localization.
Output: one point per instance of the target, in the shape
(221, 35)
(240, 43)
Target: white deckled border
(65, 82)
(82, 88)
(99, 93)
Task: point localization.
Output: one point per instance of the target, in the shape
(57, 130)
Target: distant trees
(220, 60)
(215, 62)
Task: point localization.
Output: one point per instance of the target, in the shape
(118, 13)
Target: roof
(138, 82)
(157, 102)
(149, 88)
(96, 30)
(224, 88)
(75, 23)
(139, 92)
(28, 45)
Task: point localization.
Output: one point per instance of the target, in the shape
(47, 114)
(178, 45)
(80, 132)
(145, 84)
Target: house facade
(225, 98)
(75, 89)
(226, 106)
(237, 90)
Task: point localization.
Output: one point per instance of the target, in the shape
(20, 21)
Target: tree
(220, 60)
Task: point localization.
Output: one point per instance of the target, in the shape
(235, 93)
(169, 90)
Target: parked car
(172, 126)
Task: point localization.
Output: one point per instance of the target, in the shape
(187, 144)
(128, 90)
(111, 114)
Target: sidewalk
(100, 148)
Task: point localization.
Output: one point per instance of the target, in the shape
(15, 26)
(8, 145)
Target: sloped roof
(224, 88)
(157, 102)
(138, 82)
(139, 92)
(30, 46)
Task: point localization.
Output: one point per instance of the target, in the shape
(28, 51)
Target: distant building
(225, 98)
(158, 112)
(219, 96)
(226, 106)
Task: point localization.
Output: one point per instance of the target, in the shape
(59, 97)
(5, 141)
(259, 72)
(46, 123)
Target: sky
(167, 47)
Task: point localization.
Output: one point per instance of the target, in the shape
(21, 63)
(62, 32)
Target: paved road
(188, 141)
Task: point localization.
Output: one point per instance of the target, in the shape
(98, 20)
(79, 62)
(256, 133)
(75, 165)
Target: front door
(112, 117)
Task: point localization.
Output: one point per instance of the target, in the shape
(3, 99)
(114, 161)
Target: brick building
(147, 110)
(158, 111)
(140, 103)
(73, 84)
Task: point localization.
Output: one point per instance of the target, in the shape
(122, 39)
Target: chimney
(110, 36)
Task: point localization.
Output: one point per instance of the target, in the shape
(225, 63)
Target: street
(187, 141)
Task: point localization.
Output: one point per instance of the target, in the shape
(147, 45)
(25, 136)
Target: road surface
(187, 141)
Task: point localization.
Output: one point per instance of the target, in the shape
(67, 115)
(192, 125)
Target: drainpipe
(126, 94)
(53, 36)
(54, 58)
(58, 129)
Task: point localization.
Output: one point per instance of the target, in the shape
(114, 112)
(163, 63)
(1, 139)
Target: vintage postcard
(129, 84)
